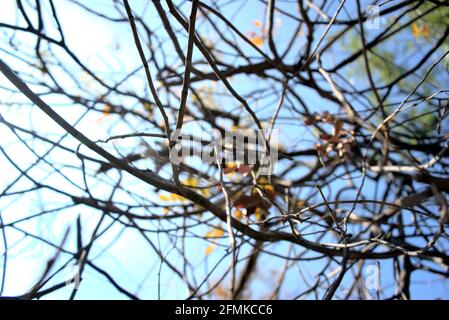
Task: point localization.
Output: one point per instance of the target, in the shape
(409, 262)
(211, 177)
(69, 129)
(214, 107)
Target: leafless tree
(356, 93)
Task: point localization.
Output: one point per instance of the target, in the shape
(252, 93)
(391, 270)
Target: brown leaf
(244, 168)
(338, 125)
(251, 202)
(230, 168)
(308, 120)
(256, 40)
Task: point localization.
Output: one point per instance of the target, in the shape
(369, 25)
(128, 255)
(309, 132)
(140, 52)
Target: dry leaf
(216, 232)
(209, 249)
(267, 190)
(251, 202)
(177, 197)
(260, 214)
(191, 182)
(238, 214)
(420, 31)
(164, 197)
(425, 30)
(338, 126)
(221, 292)
(107, 110)
(230, 168)
(257, 41)
(300, 203)
(244, 168)
(205, 192)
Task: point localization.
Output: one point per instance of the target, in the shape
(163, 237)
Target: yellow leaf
(300, 203)
(176, 197)
(164, 197)
(205, 192)
(231, 167)
(262, 180)
(215, 232)
(260, 214)
(257, 41)
(267, 188)
(191, 182)
(238, 214)
(172, 197)
(257, 23)
(107, 110)
(209, 249)
(416, 30)
(420, 31)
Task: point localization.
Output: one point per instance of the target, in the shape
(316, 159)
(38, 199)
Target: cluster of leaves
(191, 182)
(258, 201)
(258, 37)
(340, 141)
